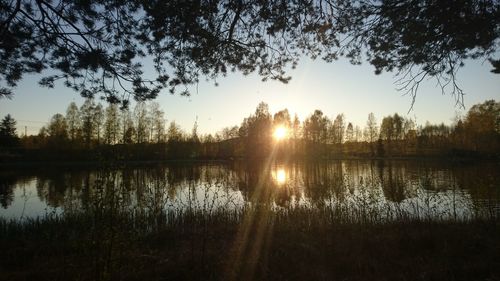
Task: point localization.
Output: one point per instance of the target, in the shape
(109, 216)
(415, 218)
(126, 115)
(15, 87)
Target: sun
(281, 176)
(280, 133)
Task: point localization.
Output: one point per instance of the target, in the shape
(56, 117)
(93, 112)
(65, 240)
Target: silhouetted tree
(256, 129)
(409, 135)
(371, 129)
(128, 130)
(111, 124)
(392, 131)
(96, 46)
(296, 133)
(315, 131)
(157, 117)
(482, 125)
(98, 121)
(74, 122)
(174, 132)
(387, 131)
(349, 133)
(337, 131)
(282, 118)
(176, 137)
(358, 134)
(420, 39)
(8, 136)
(194, 141)
(230, 133)
(141, 122)
(57, 131)
(194, 132)
(296, 127)
(87, 111)
(475, 135)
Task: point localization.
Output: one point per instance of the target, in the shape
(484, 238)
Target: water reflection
(358, 187)
(280, 176)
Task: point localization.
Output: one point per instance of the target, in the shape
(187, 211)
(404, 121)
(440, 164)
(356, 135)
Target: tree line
(143, 133)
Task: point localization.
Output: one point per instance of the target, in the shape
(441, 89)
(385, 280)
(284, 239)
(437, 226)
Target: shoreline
(111, 162)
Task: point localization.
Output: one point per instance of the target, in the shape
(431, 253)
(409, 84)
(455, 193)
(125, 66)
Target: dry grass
(249, 244)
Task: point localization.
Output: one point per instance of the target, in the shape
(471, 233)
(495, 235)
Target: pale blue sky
(334, 88)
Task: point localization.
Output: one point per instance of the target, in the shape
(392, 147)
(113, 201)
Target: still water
(384, 189)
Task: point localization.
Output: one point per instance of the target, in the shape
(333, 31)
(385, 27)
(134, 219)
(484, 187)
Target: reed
(253, 242)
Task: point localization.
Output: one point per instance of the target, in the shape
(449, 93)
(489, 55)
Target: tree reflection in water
(382, 190)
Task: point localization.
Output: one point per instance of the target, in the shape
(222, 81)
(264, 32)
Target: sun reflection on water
(280, 176)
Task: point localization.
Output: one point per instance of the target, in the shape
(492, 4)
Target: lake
(378, 190)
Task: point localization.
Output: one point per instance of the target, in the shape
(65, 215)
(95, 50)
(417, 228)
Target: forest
(92, 132)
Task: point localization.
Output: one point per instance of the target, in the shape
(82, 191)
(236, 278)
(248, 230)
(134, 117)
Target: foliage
(482, 125)
(144, 135)
(105, 47)
(315, 133)
(8, 136)
(257, 130)
(126, 222)
(193, 246)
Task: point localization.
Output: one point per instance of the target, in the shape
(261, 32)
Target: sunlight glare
(280, 133)
(281, 176)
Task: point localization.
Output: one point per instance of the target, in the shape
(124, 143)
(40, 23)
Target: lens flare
(281, 176)
(280, 133)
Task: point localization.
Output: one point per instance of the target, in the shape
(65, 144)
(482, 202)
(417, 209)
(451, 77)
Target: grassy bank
(255, 244)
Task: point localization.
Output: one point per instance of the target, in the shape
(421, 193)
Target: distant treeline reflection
(94, 133)
(410, 188)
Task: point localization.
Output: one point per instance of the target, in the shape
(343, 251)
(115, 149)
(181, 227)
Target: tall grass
(204, 232)
(250, 243)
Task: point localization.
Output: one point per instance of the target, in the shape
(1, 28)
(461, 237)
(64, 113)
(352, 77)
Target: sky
(334, 88)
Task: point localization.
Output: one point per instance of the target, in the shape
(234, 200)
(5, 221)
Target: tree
(282, 118)
(421, 39)
(296, 133)
(391, 130)
(111, 124)
(230, 133)
(97, 46)
(338, 128)
(98, 121)
(358, 134)
(128, 132)
(349, 133)
(74, 122)
(296, 127)
(57, 129)
(315, 130)
(175, 133)
(482, 126)
(194, 132)
(87, 111)
(256, 130)
(157, 117)
(141, 122)
(371, 130)
(387, 128)
(398, 122)
(484, 117)
(409, 135)
(8, 135)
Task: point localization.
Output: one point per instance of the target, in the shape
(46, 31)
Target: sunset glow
(280, 176)
(280, 133)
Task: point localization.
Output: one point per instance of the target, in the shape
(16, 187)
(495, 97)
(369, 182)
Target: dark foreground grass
(250, 245)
